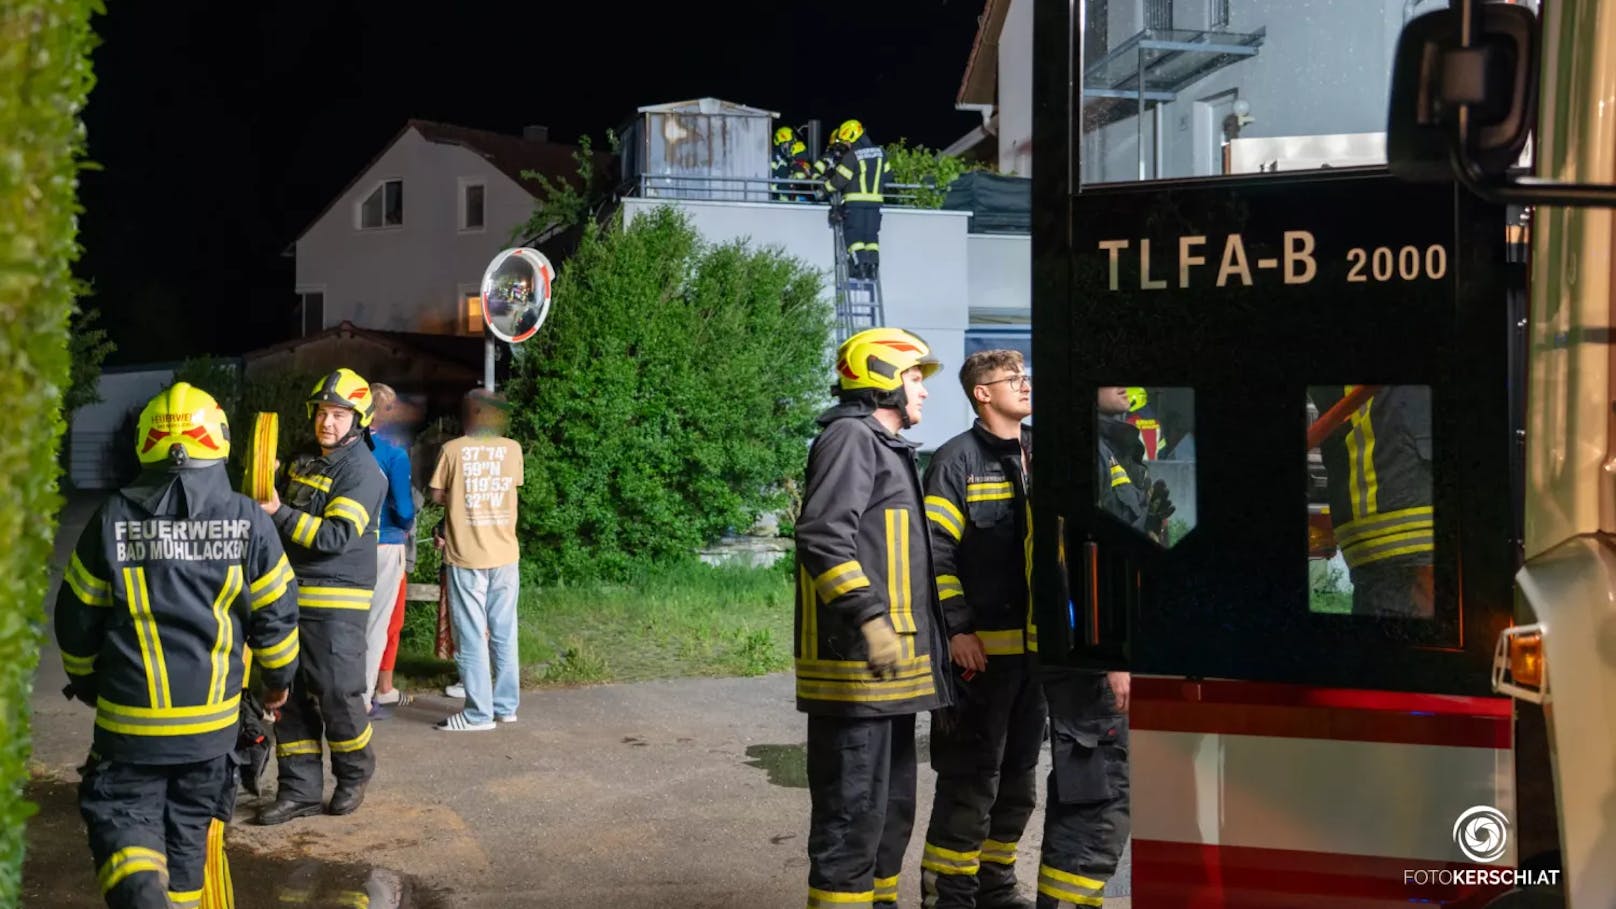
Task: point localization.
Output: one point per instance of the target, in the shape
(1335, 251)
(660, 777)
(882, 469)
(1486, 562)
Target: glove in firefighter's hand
(883, 644)
(1158, 508)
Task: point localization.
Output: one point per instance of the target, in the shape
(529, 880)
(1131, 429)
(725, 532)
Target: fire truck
(1374, 656)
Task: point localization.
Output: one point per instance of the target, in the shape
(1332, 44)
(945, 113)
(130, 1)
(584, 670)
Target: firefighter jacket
(790, 161)
(861, 174)
(172, 576)
(862, 553)
(980, 516)
(330, 518)
(1122, 481)
(1378, 469)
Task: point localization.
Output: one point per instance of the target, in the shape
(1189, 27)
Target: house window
(1217, 14)
(312, 305)
(1159, 14)
(471, 206)
(384, 207)
(472, 305)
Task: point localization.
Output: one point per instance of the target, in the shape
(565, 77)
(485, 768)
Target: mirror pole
(488, 359)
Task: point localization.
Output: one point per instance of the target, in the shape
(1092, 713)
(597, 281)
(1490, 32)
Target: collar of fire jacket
(1000, 445)
(178, 493)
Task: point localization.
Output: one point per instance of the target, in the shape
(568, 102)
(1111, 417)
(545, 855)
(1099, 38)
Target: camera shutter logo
(1482, 833)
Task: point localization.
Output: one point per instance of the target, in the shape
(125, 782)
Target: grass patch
(691, 621)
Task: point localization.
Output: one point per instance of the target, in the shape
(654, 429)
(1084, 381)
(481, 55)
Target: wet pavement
(688, 793)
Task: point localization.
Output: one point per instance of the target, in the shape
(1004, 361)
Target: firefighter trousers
(861, 778)
(1086, 816)
(327, 703)
(149, 826)
(862, 231)
(985, 752)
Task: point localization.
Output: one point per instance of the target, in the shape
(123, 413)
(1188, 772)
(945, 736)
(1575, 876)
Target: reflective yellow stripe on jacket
(91, 590)
(272, 586)
(900, 588)
(166, 721)
(348, 510)
(333, 598)
(146, 634)
(225, 636)
(850, 681)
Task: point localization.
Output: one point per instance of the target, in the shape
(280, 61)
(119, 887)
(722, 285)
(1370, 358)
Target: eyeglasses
(1016, 382)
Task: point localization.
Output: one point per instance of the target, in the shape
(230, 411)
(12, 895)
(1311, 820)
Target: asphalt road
(687, 793)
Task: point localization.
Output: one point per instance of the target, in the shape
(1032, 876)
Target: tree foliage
(667, 401)
(88, 348)
(45, 78)
(567, 203)
(932, 171)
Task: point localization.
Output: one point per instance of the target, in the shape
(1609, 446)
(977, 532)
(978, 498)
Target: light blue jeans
(482, 607)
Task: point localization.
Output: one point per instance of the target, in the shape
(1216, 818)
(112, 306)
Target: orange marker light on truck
(1526, 659)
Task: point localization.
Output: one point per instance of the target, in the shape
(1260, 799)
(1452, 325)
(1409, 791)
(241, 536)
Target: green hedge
(45, 77)
(669, 399)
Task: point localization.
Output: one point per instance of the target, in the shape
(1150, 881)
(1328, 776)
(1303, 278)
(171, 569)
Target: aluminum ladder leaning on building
(858, 300)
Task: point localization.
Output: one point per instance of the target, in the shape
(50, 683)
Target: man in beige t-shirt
(476, 481)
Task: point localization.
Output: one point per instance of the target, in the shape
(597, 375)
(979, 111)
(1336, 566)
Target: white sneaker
(387, 697)
(505, 718)
(456, 690)
(457, 722)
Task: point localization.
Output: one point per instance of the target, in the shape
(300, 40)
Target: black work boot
(347, 798)
(284, 810)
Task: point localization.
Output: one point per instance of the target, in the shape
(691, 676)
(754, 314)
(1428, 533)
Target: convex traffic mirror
(516, 293)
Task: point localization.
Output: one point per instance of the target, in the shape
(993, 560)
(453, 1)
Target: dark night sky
(223, 129)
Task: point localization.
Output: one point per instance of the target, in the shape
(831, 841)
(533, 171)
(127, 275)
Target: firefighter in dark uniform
(328, 511)
(1086, 810)
(173, 577)
(869, 648)
(858, 179)
(790, 162)
(1378, 472)
(985, 750)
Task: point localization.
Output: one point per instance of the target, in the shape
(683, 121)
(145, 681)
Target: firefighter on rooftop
(790, 162)
(855, 186)
(326, 510)
(171, 580)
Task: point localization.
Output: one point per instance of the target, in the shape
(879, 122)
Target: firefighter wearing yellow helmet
(170, 580)
(856, 186)
(790, 162)
(327, 510)
(870, 650)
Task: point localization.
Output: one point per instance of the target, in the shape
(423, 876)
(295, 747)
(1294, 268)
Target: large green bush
(45, 78)
(668, 400)
(930, 172)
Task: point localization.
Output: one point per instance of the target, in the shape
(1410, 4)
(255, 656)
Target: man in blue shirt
(398, 512)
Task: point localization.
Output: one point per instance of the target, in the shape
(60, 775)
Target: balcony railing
(752, 189)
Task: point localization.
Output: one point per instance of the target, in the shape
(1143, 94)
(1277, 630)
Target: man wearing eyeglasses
(985, 749)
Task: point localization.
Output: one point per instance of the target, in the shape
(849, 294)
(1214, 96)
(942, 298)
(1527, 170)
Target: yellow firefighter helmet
(1138, 397)
(345, 388)
(784, 134)
(183, 423)
(877, 358)
(849, 132)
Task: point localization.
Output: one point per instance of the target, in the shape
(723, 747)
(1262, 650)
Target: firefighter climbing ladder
(858, 300)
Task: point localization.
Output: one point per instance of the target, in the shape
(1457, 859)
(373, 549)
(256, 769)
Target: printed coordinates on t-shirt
(482, 469)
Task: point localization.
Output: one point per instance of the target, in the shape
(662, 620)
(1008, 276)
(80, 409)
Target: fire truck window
(1145, 472)
(1199, 88)
(1371, 524)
